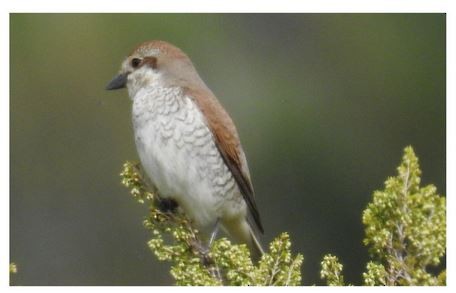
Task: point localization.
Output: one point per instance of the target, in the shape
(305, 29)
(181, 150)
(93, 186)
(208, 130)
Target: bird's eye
(135, 62)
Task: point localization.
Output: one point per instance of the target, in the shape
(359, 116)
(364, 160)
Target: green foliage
(12, 272)
(331, 270)
(405, 230)
(192, 263)
(405, 227)
(276, 268)
(13, 268)
(375, 275)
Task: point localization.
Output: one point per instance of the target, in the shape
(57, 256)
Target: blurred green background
(324, 104)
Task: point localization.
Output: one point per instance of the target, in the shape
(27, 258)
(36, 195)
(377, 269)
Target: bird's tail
(242, 232)
(255, 246)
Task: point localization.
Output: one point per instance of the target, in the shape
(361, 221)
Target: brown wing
(228, 144)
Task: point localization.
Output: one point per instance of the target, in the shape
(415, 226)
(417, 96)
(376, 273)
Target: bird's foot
(167, 205)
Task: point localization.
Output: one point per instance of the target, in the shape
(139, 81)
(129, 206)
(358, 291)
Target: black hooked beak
(118, 82)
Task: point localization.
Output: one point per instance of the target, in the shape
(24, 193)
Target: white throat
(143, 78)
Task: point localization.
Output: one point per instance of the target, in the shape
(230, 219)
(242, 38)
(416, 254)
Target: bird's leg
(214, 232)
(208, 261)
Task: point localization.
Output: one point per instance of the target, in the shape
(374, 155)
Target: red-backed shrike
(187, 142)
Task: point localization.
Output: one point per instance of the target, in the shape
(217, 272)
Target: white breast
(177, 150)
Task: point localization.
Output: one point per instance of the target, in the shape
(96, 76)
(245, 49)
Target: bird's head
(155, 63)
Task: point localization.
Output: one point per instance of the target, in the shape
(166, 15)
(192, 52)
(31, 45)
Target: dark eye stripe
(151, 61)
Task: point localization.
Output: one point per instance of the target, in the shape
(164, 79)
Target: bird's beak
(118, 82)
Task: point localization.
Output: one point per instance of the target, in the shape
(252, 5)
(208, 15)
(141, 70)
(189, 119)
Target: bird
(188, 144)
